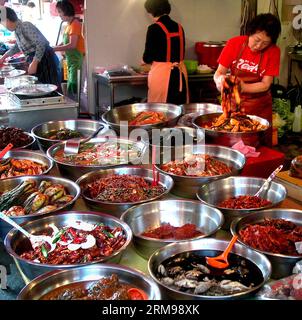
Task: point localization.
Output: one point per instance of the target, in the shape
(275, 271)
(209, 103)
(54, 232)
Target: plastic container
(297, 119)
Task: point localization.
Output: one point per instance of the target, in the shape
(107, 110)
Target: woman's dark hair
(158, 7)
(10, 14)
(266, 22)
(66, 7)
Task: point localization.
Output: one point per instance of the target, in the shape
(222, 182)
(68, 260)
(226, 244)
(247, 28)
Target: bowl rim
(155, 240)
(33, 140)
(253, 117)
(56, 121)
(45, 177)
(12, 232)
(110, 266)
(212, 240)
(273, 204)
(29, 152)
(87, 175)
(146, 126)
(207, 177)
(61, 144)
(233, 229)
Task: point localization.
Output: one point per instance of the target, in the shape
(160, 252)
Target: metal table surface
(17, 280)
(137, 79)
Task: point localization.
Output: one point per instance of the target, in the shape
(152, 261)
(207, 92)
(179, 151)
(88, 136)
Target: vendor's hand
(32, 68)
(219, 82)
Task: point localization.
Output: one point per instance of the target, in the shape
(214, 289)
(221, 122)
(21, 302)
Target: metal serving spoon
(268, 180)
(34, 240)
(72, 146)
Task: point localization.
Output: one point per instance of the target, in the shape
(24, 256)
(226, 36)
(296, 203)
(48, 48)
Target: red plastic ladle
(221, 261)
(5, 150)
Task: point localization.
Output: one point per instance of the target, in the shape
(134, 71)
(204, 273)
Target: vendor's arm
(261, 86)
(15, 49)
(73, 40)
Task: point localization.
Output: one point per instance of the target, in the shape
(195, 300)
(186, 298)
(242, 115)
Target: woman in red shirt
(255, 60)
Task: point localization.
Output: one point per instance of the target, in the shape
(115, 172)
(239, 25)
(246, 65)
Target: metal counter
(28, 117)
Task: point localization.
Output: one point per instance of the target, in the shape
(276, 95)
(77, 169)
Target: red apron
(259, 104)
(159, 75)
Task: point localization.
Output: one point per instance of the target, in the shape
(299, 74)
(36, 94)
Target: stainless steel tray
(34, 90)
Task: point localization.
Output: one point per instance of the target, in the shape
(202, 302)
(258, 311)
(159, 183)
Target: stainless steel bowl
(207, 247)
(282, 264)
(85, 127)
(217, 191)
(30, 155)
(10, 183)
(115, 208)
(193, 110)
(28, 145)
(176, 212)
(16, 243)
(228, 139)
(128, 112)
(75, 171)
(48, 282)
(186, 186)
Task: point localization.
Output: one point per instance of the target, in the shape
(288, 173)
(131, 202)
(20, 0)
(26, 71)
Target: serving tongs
(35, 241)
(267, 182)
(72, 146)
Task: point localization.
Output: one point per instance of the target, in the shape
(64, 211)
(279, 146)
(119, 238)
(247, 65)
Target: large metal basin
(228, 139)
(10, 183)
(176, 212)
(128, 112)
(282, 265)
(187, 186)
(16, 243)
(217, 191)
(50, 281)
(115, 208)
(85, 127)
(207, 247)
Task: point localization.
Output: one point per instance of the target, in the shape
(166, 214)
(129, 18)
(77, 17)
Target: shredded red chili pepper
(275, 236)
(244, 202)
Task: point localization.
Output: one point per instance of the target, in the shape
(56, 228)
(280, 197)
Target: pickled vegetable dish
(106, 153)
(62, 134)
(244, 202)
(11, 167)
(148, 117)
(78, 242)
(197, 165)
(122, 188)
(273, 235)
(107, 288)
(30, 198)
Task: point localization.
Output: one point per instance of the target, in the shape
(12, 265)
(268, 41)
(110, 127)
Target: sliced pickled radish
(74, 246)
(90, 242)
(81, 225)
